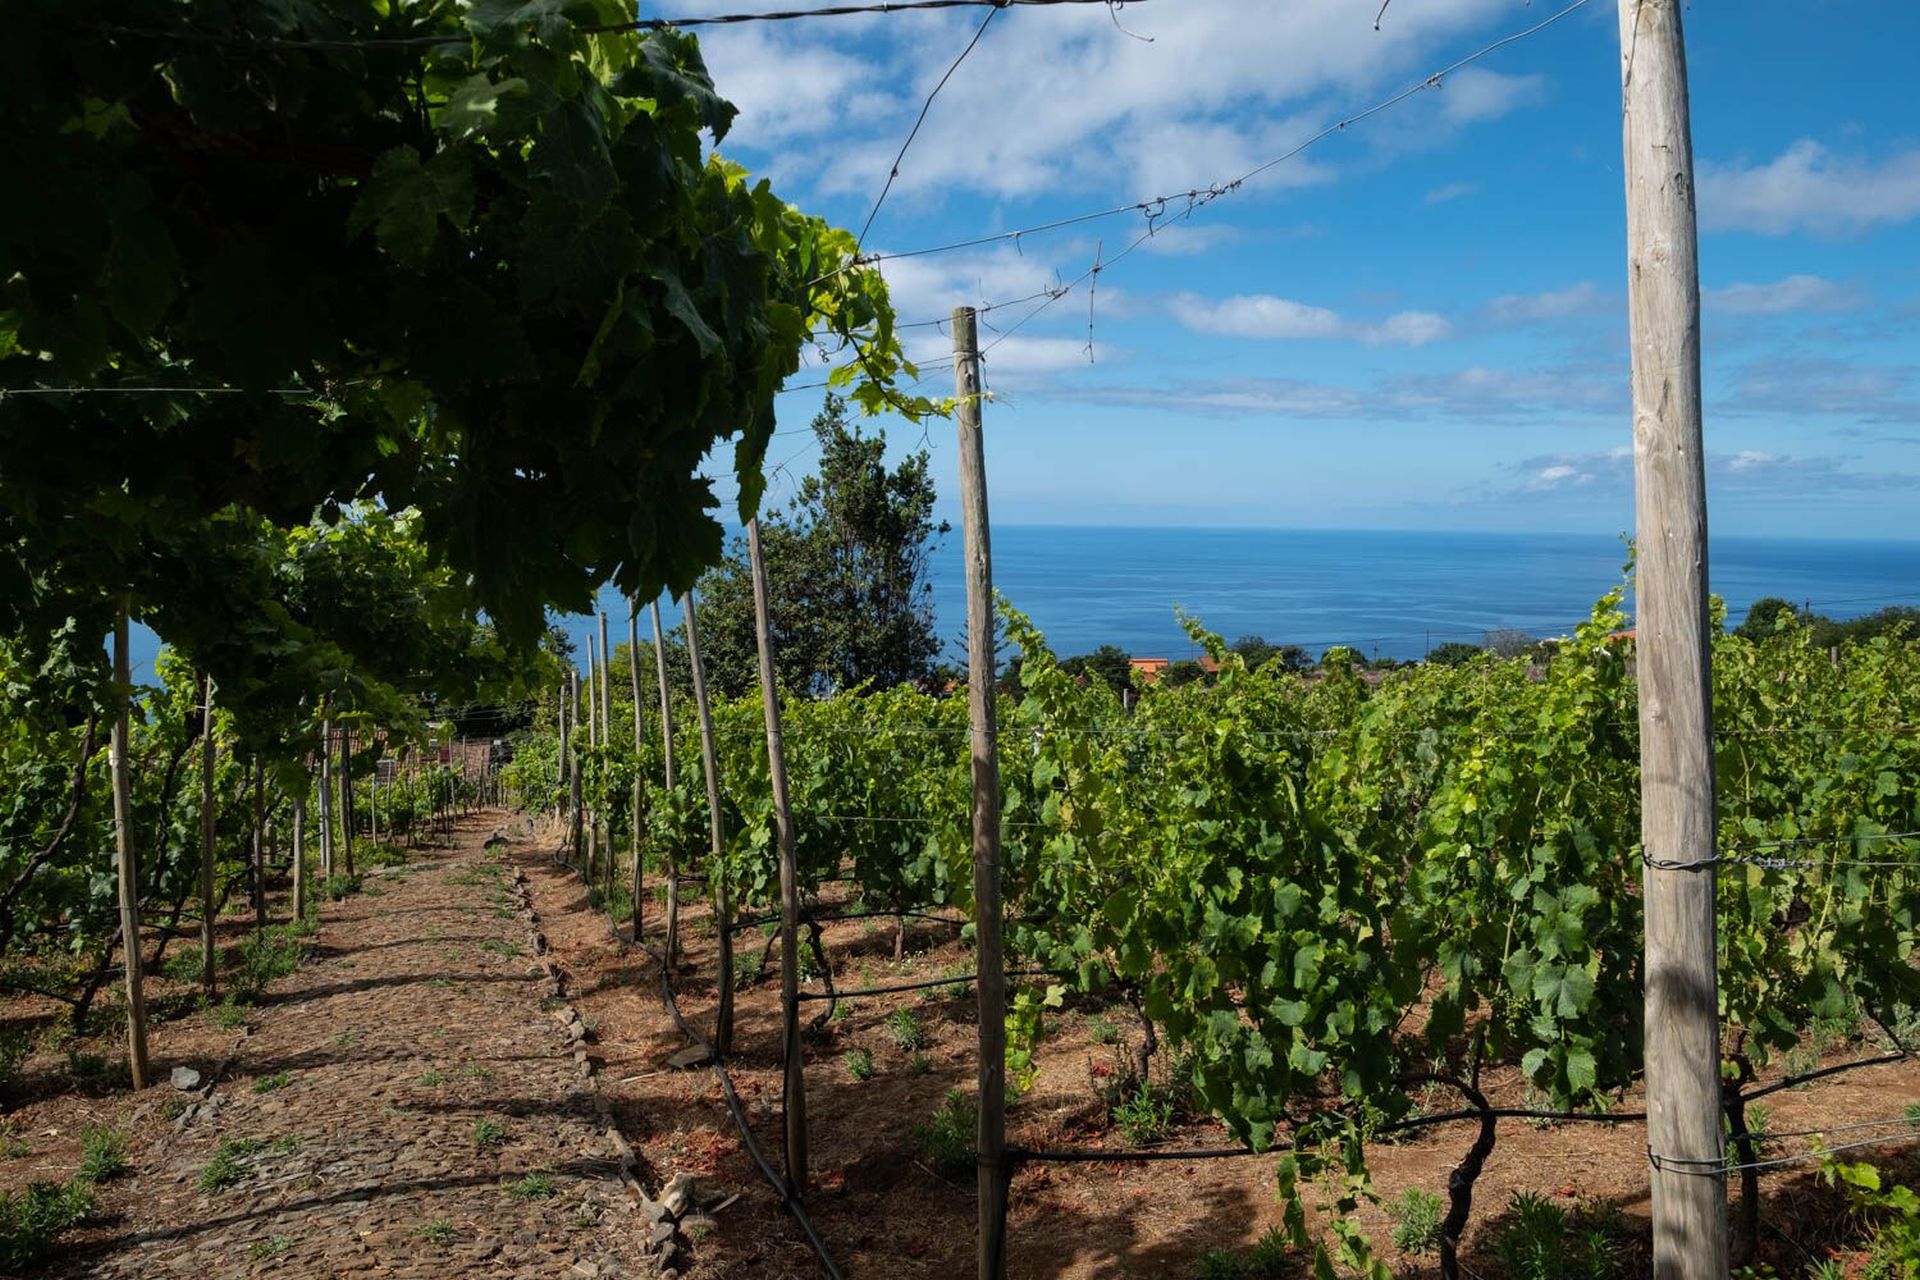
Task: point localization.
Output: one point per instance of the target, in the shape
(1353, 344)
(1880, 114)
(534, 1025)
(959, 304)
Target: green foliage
(1536, 1239)
(535, 1186)
(1271, 1257)
(488, 1132)
(859, 1064)
(270, 1083)
(436, 1231)
(230, 1013)
(1417, 1217)
(229, 1166)
(266, 956)
(851, 600)
(339, 886)
(33, 1220)
(946, 1139)
(16, 1045)
(1144, 1115)
(103, 1153)
(1891, 1211)
(904, 1026)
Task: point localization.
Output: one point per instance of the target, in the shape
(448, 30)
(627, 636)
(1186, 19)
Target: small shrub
(1218, 1264)
(1145, 1116)
(1101, 1030)
(184, 966)
(339, 887)
(15, 1046)
(535, 1186)
(843, 1010)
(946, 1139)
(103, 1153)
(384, 855)
(488, 1132)
(859, 1063)
(274, 1247)
(230, 1013)
(439, 1231)
(1416, 1219)
(1538, 1240)
(267, 1084)
(919, 1065)
(906, 1030)
(749, 966)
(265, 957)
(94, 1073)
(1270, 1258)
(229, 1165)
(33, 1220)
(433, 1079)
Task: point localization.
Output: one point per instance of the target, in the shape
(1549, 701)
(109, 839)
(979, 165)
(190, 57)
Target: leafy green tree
(850, 601)
(1764, 617)
(1258, 651)
(1453, 653)
(1109, 662)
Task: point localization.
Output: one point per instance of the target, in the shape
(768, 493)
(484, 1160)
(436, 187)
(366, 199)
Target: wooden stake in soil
(593, 740)
(574, 843)
(795, 1091)
(672, 949)
(346, 797)
(300, 853)
(1684, 1131)
(259, 845)
(326, 798)
(991, 1134)
(606, 740)
(639, 779)
(126, 873)
(209, 956)
(717, 834)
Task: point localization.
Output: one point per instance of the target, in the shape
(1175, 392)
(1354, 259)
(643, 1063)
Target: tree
(847, 576)
(1764, 617)
(1257, 651)
(1109, 662)
(1453, 653)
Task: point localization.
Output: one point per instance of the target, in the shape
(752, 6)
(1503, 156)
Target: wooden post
(574, 844)
(126, 873)
(346, 797)
(607, 874)
(300, 853)
(670, 952)
(1684, 1131)
(716, 833)
(259, 845)
(639, 779)
(209, 953)
(991, 1133)
(593, 740)
(560, 809)
(326, 798)
(795, 1094)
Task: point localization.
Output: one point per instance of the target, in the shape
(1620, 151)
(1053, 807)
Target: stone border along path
(400, 1106)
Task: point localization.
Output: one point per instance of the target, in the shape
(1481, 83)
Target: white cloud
(1750, 460)
(1809, 188)
(1795, 293)
(1451, 191)
(1749, 472)
(1826, 388)
(1059, 100)
(1582, 299)
(1262, 315)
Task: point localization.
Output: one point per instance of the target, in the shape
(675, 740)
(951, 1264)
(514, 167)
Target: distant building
(1150, 669)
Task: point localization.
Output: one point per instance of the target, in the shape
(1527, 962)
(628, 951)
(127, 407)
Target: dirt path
(403, 1105)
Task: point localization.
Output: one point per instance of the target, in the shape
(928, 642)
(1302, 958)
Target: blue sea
(1393, 594)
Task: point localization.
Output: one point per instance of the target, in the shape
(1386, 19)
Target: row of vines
(1325, 892)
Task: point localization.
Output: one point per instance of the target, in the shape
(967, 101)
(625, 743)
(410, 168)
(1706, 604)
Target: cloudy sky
(1416, 323)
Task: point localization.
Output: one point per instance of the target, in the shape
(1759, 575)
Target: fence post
(593, 740)
(126, 872)
(639, 779)
(1674, 657)
(670, 951)
(716, 833)
(991, 1134)
(574, 845)
(209, 953)
(794, 1096)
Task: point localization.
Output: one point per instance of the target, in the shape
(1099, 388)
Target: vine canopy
(472, 258)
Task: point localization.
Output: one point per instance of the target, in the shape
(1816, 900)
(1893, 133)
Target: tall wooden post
(593, 740)
(991, 1134)
(259, 845)
(209, 953)
(1684, 1129)
(795, 1095)
(574, 844)
(639, 778)
(326, 797)
(607, 873)
(300, 852)
(126, 872)
(716, 833)
(346, 797)
(671, 950)
(561, 766)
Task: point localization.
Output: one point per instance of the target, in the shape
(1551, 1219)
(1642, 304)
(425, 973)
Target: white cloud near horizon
(1781, 297)
(1810, 188)
(1263, 315)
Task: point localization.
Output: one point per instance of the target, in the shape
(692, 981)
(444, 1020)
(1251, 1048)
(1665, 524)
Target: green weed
(488, 1132)
(33, 1220)
(1416, 1219)
(906, 1030)
(946, 1139)
(535, 1186)
(267, 1084)
(859, 1063)
(229, 1165)
(103, 1153)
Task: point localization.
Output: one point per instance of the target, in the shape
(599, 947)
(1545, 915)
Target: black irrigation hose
(788, 1200)
(956, 981)
(755, 922)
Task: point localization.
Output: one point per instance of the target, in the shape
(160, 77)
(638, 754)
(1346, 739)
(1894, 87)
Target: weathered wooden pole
(259, 845)
(795, 1093)
(716, 833)
(1684, 1132)
(209, 953)
(300, 853)
(559, 812)
(574, 844)
(346, 797)
(593, 740)
(671, 950)
(639, 778)
(126, 871)
(326, 798)
(991, 1133)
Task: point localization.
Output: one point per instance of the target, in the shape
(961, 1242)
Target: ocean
(1390, 594)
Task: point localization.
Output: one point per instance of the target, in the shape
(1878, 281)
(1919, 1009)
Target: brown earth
(356, 1092)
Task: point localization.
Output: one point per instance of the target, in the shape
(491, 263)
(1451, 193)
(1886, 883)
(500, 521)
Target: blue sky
(1420, 322)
